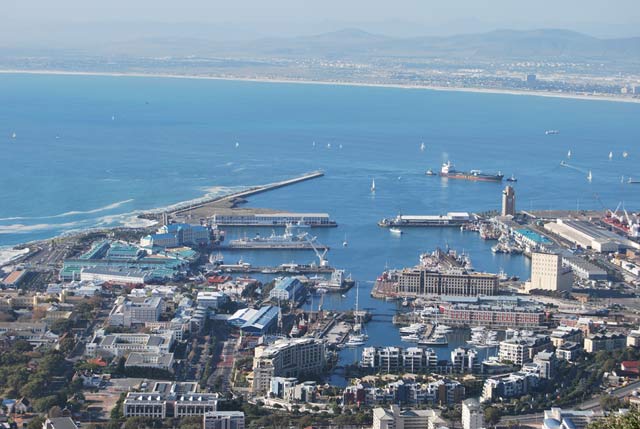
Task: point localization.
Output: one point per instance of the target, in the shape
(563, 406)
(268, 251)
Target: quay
(282, 269)
(272, 246)
(183, 208)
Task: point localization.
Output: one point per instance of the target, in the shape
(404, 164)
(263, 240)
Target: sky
(45, 21)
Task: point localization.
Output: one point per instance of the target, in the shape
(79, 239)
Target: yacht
(411, 338)
(355, 340)
(396, 231)
(436, 340)
(414, 328)
(442, 329)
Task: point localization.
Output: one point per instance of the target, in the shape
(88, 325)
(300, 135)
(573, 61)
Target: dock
(283, 269)
(266, 246)
(183, 208)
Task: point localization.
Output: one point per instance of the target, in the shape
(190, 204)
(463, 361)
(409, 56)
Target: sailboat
(340, 146)
(328, 145)
(237, 144)
(345, 243)
(569, 154)
(422, 147)
(14, 135)
(625, 154)
(314, 144)
(113, 118)
(610, 155)
(589, 176)
(357, 337)
(373, 185)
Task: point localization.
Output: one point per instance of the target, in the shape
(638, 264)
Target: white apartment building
(123, 344)
(287, 357)
(472, 414)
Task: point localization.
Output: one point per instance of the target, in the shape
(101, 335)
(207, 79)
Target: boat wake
(573, 167)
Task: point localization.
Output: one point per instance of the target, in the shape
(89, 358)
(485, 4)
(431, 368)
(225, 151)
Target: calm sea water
(90, 151)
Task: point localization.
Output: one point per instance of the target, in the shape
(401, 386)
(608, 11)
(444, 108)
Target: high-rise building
(547, 273)
(472, 414)
(508, 202)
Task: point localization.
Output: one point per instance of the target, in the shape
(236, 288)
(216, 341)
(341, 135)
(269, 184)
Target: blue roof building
(262, 322)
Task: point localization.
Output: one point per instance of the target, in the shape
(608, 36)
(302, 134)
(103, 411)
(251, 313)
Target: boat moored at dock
(455, 219)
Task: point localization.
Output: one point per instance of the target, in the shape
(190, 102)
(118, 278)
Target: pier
(246, 193)
(283, 269)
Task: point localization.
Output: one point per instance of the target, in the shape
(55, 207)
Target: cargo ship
(449, 171)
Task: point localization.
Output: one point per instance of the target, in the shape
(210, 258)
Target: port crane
(322, 261)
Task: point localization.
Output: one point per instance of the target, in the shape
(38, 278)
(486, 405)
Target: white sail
(373, 185)
(589, 176)
(422, 147)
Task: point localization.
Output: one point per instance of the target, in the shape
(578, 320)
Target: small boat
(396, 231)
(633, 181)
(313, 144)
(610, 155)
(328, 145)
(355, 340)
(625, 154)
(373, 185)
(14, 135)
(345, 243)
(551, 132)
(564, 164)
(569, 154)
(422, 147)
(343, 295)
(589, 176)
(340, 146)
(113, 118)
(430, 173)
(512, 179)
(237, 144)
(322, 290)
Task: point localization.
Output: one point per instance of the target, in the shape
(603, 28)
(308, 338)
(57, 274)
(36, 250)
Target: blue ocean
(86, 151)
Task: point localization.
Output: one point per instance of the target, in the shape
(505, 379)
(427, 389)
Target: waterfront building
(178, 234)
(569, 351)
(287, 288)
(512, 315)
(472, 414)
(169, 399)
(223, 420)
(150, 360)
(272, 219)
(119, 344)
(563, 334)
(604, 341)
(465, 360)
(130, 311)
(546, 364)
(548, 273)
(584, 269)
(396, 359)
(117, 275)
(589, 236)
(508, 202)
(508, 386)
(58, 423)
(633, 338)
(211, 299)
(416, 282)
(557, 418)
(261, 322)
(294, 357)
(396, 418)
(521, 349)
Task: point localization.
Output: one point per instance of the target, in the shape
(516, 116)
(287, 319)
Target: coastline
(571, 96)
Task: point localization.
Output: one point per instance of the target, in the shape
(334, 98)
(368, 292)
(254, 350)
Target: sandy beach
(574, 96)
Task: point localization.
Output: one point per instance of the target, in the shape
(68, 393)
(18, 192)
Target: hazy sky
(32, 19)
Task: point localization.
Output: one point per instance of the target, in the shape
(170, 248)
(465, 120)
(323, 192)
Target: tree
(36, 423)
(608, 402)
(55, 411)
(629, 420)
(492, 415)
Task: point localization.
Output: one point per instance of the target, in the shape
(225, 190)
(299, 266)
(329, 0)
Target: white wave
(9, 254)
(73, 213)
(19, 228)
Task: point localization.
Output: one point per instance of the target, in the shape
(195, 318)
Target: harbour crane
(322, 261)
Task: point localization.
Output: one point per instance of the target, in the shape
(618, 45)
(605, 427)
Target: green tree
(492, 415)
(629, 420)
